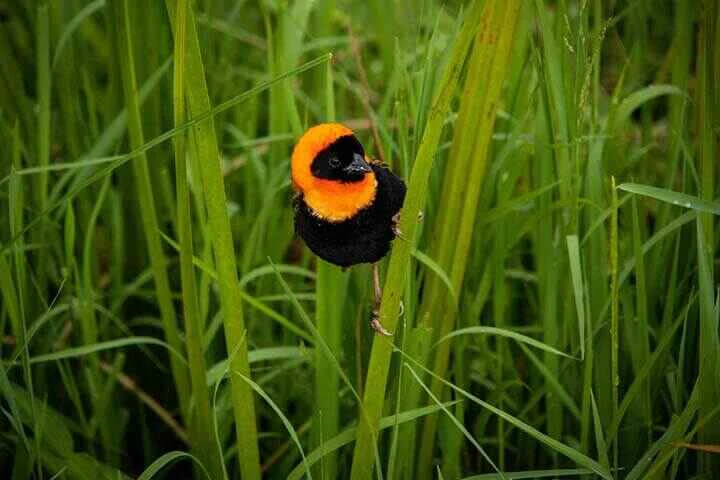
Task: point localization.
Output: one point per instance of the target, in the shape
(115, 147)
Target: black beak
(357, 166)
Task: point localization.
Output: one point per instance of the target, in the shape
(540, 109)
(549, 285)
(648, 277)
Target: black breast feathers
(363, 238)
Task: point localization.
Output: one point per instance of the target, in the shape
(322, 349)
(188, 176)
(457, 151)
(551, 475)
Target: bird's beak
(358, 165)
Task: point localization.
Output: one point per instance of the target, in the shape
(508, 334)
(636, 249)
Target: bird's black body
(363, 238)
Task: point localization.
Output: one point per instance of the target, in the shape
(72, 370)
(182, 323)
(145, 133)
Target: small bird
(348, 206)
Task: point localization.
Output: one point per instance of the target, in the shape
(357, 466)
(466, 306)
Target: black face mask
(343, 160)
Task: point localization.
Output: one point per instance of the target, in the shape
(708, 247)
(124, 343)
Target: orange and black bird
(347, 207)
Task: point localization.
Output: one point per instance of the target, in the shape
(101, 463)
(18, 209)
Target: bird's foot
(396, 226)
(377, 326)
(396, 223)
(420, 217)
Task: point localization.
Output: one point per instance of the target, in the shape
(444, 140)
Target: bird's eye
(334, 162)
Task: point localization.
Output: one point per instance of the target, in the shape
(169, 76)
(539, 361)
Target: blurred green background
(560, 302)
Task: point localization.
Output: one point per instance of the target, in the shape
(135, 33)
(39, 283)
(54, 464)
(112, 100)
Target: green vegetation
(556, 310)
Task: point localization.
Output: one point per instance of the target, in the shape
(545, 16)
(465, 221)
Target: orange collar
(335, 201)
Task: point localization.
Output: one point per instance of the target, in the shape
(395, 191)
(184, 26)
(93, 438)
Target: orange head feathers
(330, 170)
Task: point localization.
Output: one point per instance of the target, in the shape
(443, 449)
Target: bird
(347, 205)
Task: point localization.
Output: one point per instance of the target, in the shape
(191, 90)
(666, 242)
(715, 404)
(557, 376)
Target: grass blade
(216, 204)
(347, 436)
(674, 198)
(146, 198)
(203, 439)
(376, 379)
(165, 461)
(518, 337)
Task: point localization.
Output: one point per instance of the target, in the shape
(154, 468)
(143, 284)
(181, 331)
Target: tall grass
(555, 311)
(203, 438)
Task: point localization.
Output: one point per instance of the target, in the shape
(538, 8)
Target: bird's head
(330, 170)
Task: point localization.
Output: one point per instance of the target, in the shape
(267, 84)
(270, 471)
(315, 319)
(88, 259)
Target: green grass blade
(285, 421)
(376, 379)
(557, 473)
(457, 423)
(216, 372)
(550, 442)
(348, 435)
(614, 334)
(518, 337)
(73, 25)
(578, 287)
(146, 198)
(330, 294)
(674, 198)
(638, 98)
(222, 240)
(108, 345)
(600, 442)
(203, 441)
(165, 461)
(643, 374)
(553, 382)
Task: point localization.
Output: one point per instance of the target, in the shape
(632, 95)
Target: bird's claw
(377, 326)
(396, 222)
(396, 225)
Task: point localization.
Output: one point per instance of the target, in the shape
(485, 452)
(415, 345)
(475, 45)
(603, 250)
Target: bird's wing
(392, 185)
